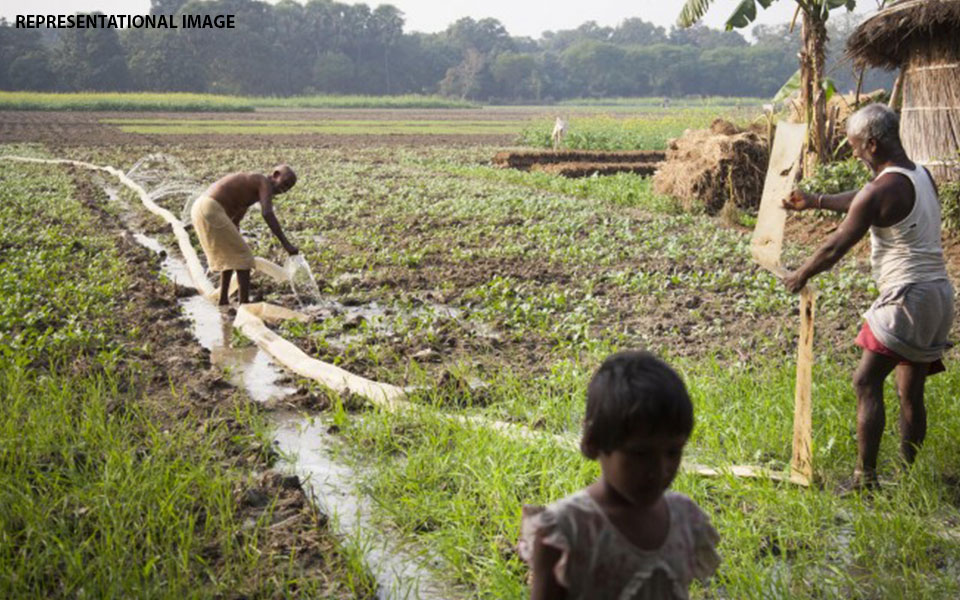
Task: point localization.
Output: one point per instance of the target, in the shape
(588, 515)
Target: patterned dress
(598, 562)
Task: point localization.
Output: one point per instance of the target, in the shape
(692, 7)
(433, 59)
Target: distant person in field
(906, 328)
(559, 132)
(625, 535)
(216, 216)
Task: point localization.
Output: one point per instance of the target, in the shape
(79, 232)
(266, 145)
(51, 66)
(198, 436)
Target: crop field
(494, 293)
(187, 102)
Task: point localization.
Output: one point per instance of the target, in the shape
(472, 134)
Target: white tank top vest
(910, 251)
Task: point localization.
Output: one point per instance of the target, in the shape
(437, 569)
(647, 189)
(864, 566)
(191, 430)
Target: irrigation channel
(400, 570)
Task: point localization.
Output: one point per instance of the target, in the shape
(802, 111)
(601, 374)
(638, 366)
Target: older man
(216, 217)
(906, 327)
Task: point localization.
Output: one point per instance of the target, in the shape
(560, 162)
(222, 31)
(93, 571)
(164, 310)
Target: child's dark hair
(633, 390)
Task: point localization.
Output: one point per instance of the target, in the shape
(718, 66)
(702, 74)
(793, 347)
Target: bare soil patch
(587, 169)
(58, 128)
(525, 159)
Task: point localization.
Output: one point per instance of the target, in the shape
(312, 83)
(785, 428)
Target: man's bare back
(237, 192)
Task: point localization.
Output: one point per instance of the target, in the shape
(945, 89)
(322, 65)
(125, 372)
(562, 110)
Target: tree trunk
(811, 88)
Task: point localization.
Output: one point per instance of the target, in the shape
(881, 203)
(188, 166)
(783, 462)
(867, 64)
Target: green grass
(187, 102)
(102, 493)
(547, 276)
(666, 104)
(458, 489)
(651, 131)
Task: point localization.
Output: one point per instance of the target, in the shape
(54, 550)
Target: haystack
(706, 167)
(921, 38)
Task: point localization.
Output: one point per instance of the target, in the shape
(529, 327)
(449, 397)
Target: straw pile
(920, 37)
(708, 167)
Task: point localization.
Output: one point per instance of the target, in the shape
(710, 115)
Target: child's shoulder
(573, 506)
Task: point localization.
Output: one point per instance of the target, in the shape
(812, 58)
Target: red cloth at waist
(867, 341)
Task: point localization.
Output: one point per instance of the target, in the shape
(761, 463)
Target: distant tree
(240, 60)
(705, 38)
(597, 69)
(30, 71)
(90, 59)
(673, 70)
(162, 60)
(637, 32)
(435, 54)
(516, 75)
(486, 36)
(387, 26)
(24, 60)
(333, 72)
(468, 80)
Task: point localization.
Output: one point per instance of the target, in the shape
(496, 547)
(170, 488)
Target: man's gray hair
(875, 121)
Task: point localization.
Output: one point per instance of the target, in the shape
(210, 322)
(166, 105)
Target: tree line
(328, 47)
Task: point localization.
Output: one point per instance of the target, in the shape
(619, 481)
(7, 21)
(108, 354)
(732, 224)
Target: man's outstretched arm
(800, 200)
(859, 218)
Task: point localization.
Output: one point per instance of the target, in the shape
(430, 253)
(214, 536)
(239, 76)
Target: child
(625, 536)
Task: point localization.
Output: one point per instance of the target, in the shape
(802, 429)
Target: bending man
(216, 216)
(906, 327)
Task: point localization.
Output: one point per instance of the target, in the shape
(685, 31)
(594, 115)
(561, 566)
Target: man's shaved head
(283, 177)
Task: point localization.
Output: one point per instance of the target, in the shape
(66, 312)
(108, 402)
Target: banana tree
(812, 55)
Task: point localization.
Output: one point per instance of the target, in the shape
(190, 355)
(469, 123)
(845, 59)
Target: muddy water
(249, 367)
(397, 569)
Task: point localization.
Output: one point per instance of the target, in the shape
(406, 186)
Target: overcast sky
(520, 17)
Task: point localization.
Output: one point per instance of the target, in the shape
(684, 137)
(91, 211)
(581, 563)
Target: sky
(520, 17)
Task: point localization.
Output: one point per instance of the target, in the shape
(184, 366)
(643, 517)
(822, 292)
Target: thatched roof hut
(922, 38)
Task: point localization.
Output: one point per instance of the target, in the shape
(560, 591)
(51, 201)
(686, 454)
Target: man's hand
(799, 200)
(292, 250)
(794, 282)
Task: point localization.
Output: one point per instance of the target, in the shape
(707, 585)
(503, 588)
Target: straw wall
(930, 115)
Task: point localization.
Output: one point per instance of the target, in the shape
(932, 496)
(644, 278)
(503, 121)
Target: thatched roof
(884, 39)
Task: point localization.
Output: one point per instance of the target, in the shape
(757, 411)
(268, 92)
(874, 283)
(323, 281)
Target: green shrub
(950, 201)
(837, 177)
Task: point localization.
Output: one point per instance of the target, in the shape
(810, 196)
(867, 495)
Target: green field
(494, 294)
(187, 102)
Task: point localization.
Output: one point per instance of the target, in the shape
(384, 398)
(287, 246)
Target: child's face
(644, 467)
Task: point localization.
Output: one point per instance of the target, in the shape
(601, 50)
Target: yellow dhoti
(219, 237)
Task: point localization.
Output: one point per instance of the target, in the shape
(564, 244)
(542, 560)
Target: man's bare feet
(859, 483)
